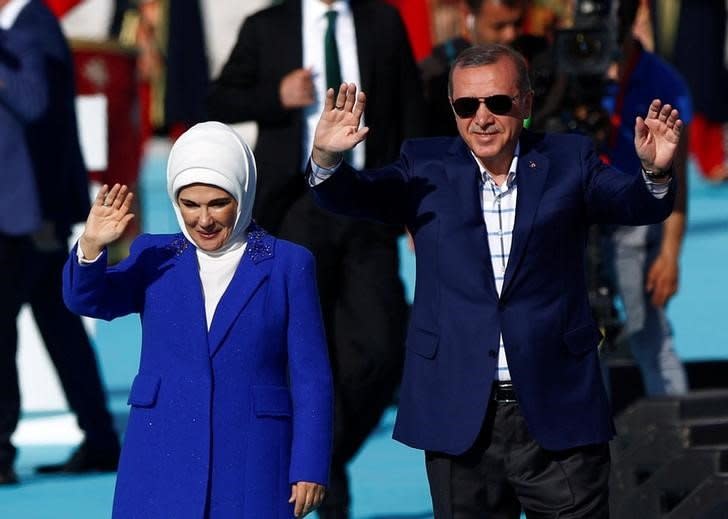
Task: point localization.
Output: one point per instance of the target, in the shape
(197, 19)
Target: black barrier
(670, 458)
(626, 381)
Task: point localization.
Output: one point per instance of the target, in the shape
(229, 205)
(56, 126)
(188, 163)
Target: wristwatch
(657, 175)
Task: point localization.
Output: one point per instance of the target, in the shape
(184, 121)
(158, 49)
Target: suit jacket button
(492, 353)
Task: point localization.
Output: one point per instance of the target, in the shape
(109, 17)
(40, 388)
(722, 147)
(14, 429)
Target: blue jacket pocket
(423, 343)
(271, 401)
(144, 390)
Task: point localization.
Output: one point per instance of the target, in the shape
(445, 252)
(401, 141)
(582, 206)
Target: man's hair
(488, 54)
(474, 5)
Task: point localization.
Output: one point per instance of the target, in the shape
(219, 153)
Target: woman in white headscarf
(231, 408)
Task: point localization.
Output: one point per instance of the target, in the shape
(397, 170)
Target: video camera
(570, 83)
(587, 48)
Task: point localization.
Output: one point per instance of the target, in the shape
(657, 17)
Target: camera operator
(646, 258)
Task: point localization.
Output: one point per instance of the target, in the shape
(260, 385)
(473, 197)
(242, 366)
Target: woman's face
(209, 214)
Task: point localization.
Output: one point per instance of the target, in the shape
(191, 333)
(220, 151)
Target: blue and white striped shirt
(498, 204)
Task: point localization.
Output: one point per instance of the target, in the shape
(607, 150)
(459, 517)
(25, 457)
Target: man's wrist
(324, 160)
(656, 174)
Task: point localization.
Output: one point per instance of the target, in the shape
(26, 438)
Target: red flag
(61, 7)
(416, 17)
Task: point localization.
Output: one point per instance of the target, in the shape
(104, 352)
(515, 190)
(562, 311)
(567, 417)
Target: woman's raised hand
(109, 216)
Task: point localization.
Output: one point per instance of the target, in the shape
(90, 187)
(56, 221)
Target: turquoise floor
(388, 479)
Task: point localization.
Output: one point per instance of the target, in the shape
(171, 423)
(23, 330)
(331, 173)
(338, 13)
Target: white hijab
(214, 154)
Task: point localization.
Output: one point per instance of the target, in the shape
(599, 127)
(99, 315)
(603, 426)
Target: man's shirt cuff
(320, 173)
(659, 191)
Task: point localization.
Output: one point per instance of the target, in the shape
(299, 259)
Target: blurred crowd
(176, 48)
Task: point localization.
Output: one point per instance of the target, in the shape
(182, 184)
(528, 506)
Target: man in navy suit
(502, 386)
(44, 192)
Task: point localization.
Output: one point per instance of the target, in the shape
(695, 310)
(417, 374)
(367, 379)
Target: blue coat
(543, 311)
(221, 422)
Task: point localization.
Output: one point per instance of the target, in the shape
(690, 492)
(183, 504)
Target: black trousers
(506, 471)
(364, 311)
(28, 275)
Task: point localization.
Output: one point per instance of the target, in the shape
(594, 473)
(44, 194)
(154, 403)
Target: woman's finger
(126, 205)
(101, 195)
(111, 195)
(120, 197)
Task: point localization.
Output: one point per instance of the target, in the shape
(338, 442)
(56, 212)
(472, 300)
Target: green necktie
(331, 57)
(331, 53)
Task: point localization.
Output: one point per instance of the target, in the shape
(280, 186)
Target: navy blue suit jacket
(43, 175)
(543, 312)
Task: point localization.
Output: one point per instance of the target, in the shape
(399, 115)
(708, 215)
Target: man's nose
(482, 114)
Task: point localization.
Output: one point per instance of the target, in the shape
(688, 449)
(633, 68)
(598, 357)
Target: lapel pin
(531, 164)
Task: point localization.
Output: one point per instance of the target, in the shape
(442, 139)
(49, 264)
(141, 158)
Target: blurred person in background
(45, 191)
(277, 75)
(646, 259)
(481, 21)
(684, 30)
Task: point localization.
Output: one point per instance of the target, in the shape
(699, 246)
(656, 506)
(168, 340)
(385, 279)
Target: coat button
(492, 353)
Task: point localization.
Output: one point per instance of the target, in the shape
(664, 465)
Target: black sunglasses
(499, 104)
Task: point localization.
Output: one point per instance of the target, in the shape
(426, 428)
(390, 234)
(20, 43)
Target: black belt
(503, 391)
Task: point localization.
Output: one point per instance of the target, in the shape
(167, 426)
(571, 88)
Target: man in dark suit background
(501, 386)
(45, 191)
(277, 75)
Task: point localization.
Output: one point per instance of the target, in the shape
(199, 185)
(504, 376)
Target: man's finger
(640, 129)
(329, 100)
(654, 111)
(341, 96)
(350, 98)
(665, 112)
(361, 102)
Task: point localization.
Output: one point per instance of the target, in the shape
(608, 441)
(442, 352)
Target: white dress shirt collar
(485, 174)
(318, 9)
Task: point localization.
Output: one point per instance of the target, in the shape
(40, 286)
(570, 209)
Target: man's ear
(527, 105)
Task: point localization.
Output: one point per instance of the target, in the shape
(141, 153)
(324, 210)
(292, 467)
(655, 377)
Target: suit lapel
(463, 173)
(531, 179)
(252, 272)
